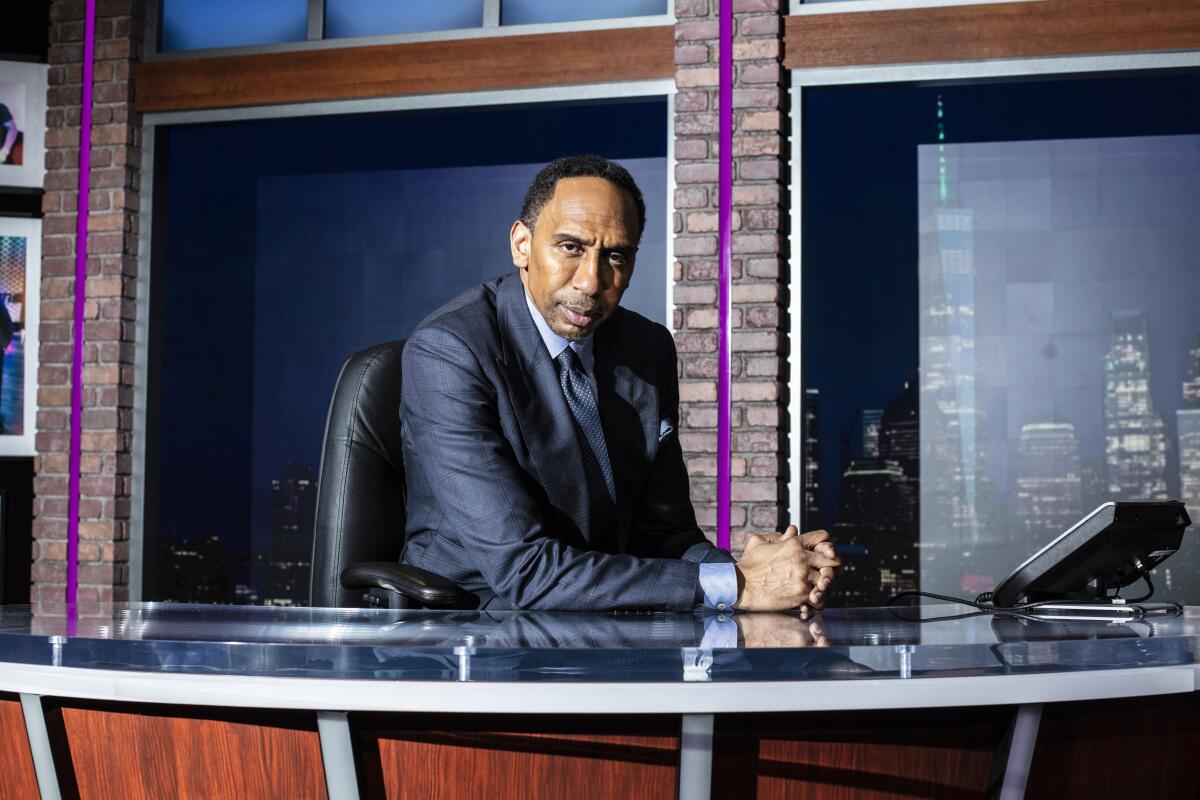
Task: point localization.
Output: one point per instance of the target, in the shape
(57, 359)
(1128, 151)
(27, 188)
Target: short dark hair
(544, 183)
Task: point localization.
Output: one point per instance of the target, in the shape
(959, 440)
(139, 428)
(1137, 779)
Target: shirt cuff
(720, 633)
(718, 583)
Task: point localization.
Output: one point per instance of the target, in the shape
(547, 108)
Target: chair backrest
(360, 492)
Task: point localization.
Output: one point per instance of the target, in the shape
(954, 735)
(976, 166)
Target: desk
(156, 700)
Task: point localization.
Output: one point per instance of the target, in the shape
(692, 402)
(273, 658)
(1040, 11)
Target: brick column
(759, 314)
(109, 312)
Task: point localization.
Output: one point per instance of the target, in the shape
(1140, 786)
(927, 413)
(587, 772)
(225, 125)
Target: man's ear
(520, 240)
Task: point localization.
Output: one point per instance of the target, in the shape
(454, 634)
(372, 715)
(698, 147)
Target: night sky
(286, 245)
(860, 216)
(220, 284)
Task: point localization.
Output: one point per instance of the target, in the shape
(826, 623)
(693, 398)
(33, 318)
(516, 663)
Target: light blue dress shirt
(718, 582)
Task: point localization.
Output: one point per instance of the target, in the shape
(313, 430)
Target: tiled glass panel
(291, 243)
(999, 322)
(346, 18)
(527, 12)
(201, 24)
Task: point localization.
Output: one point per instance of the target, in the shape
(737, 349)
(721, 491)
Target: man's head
(576, 240)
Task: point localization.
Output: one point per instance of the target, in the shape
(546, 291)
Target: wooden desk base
(1139, 747)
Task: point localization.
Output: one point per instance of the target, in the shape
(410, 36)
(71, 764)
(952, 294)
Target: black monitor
(1112, 547)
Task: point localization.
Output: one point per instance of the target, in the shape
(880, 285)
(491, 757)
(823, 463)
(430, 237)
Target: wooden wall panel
(18, 781)
(458, 65)
(133, 751)
(935, 753)
(993, 30)
(1135, 747)
(524, 758)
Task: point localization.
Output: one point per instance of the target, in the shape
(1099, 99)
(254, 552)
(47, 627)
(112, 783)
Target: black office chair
(359, 528)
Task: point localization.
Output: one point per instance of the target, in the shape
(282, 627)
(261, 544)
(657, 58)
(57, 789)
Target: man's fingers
(817, 560)
(753, 541)
(789, 533)
(825, 549)
(811, 539)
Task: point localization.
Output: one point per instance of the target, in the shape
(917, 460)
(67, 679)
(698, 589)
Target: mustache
(583, 305)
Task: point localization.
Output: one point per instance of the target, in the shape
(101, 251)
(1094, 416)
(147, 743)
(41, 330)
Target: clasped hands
(783, 571)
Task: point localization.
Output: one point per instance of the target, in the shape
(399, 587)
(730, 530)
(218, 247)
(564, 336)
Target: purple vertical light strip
(724, 269)
(81, 227)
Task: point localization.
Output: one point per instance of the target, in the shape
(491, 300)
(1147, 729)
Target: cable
(985, 605)
(979, 602)
(1149, 587)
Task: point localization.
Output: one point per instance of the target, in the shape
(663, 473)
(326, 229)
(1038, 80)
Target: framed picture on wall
(22, 123)
(20, 278)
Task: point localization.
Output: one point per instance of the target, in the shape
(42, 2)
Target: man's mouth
(579, 317)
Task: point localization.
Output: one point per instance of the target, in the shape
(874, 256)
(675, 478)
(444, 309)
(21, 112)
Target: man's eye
(616, 258)
(570, 247)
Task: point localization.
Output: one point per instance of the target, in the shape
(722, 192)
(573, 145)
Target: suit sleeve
(462, 463)
(664, 524)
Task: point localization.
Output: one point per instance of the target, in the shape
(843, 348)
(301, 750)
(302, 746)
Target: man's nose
(587, 276)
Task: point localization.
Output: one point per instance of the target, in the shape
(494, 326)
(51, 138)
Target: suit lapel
(546, 422)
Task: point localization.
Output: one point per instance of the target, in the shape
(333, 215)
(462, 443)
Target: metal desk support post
(1020, 751)
(337, 755)
(695, 757)
(39, 746)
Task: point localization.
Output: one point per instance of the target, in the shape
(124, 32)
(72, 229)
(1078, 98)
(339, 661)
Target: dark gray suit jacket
(497, 497)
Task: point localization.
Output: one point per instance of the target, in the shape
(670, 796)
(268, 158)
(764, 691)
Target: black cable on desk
(983, 602)
(985, 605)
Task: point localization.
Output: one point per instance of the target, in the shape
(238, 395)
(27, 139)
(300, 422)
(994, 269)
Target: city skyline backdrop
(1057, 353)
(875, 264)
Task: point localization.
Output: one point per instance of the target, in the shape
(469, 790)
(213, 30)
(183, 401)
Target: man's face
(578, 260)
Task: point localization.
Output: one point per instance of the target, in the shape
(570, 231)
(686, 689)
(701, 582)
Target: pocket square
(665, 429)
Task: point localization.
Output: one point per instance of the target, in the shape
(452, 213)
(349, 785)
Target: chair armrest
(412, 582)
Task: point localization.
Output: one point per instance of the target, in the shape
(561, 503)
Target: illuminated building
(872, 418)
(293, 505)
(812, 459)
(1049, 481)
(1135, 443)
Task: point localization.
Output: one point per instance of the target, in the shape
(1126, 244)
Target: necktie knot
(568, 360)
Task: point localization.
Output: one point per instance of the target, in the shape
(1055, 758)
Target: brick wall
(109, 312)
(759, 320)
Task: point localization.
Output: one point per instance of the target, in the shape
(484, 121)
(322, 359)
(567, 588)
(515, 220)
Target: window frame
(957, 71)
(147, 348)
(489, 27)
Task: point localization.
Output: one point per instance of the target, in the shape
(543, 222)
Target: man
(539, 424)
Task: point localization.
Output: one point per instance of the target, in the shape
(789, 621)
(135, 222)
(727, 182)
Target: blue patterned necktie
(602, 491)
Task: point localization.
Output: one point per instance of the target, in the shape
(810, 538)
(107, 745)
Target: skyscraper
(874, 532)
(1049, 481)
(812, 459)
(293, 504)
(951, 458)
(1135, 443)
(872, 418)
(1183, 569)
(1188, 426)
(1191, 383)
(900, 430)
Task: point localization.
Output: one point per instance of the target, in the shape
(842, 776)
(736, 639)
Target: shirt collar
(555, 344)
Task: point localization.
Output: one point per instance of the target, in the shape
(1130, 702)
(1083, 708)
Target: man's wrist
(741, 601)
